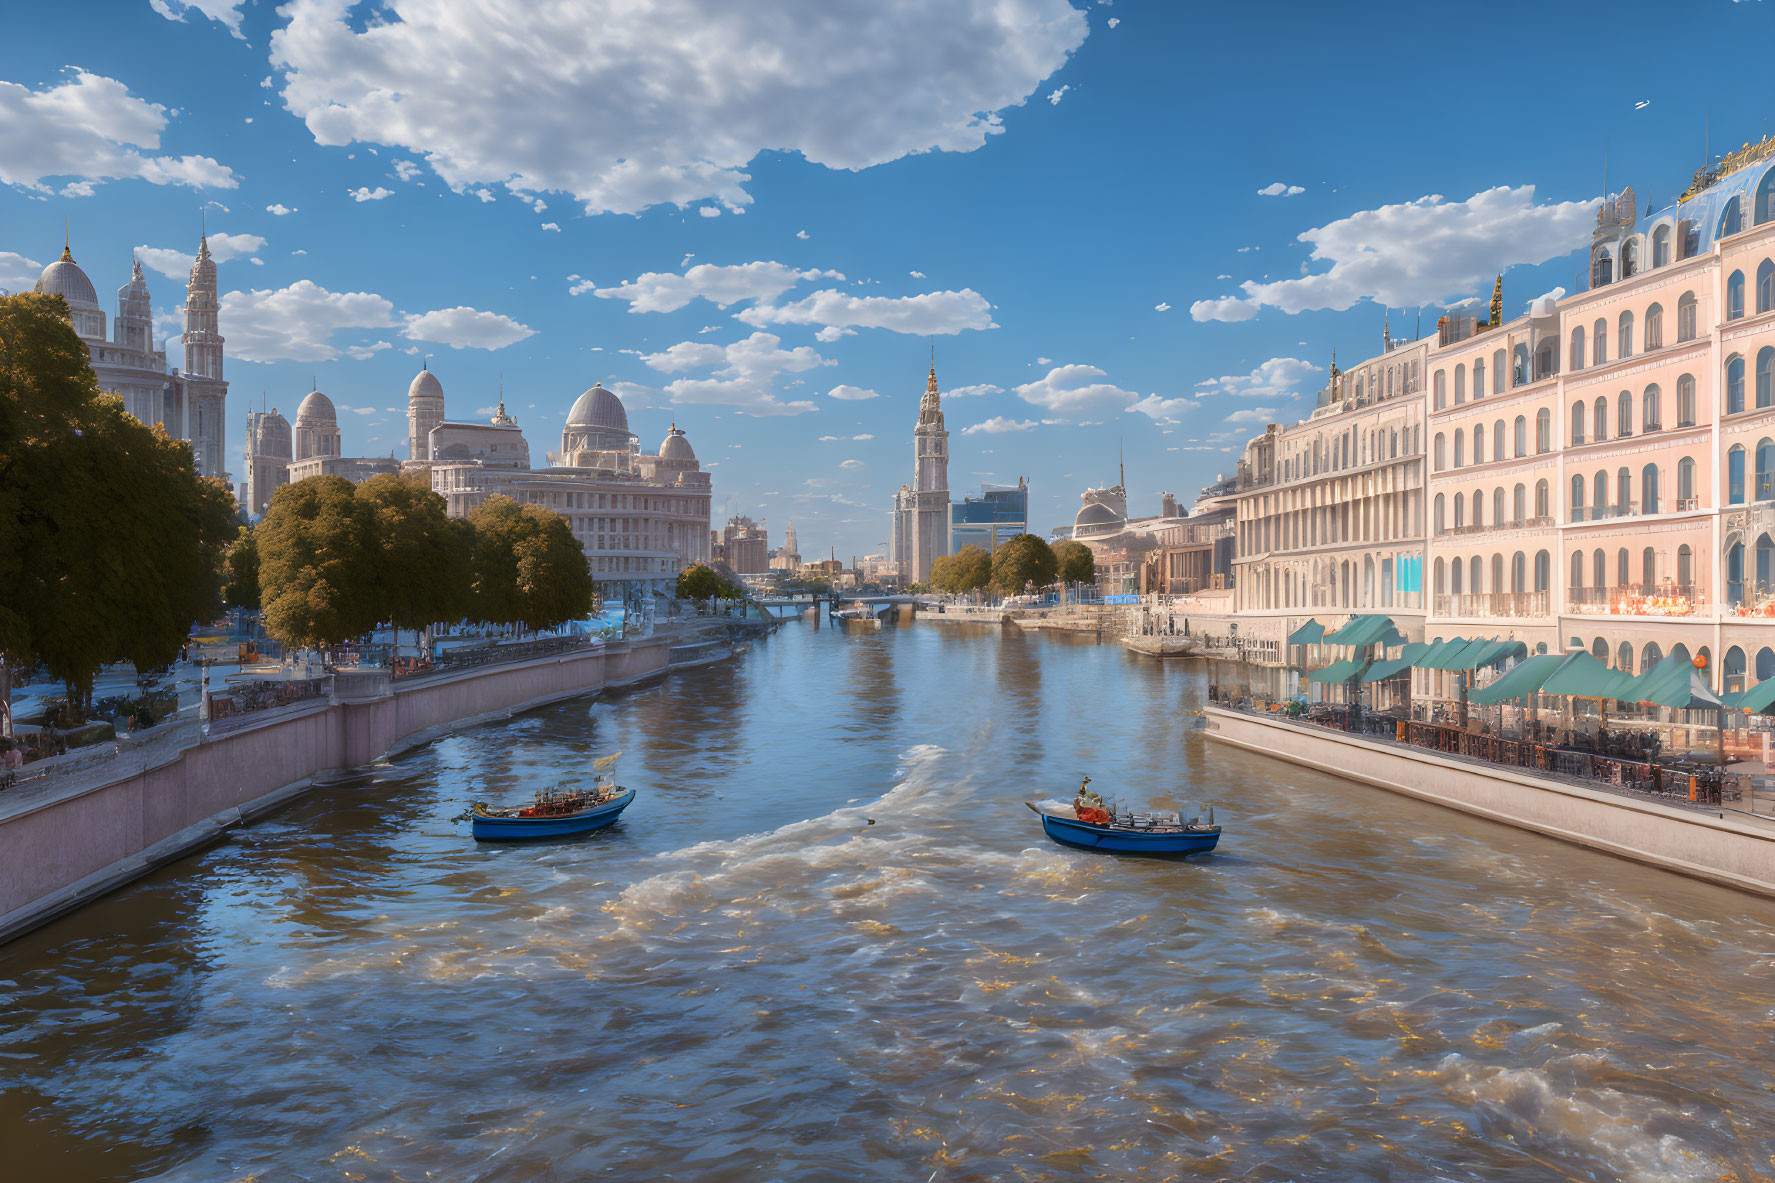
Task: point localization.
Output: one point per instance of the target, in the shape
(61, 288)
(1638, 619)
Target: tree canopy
(700, 582)
(421, 558)
(318, 563)
(111, 544)
(967, 570)
(1020, 562)
(1075, 562)
(528, 568)
(240, 588)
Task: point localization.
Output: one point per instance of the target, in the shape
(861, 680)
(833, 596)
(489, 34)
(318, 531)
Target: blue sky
(1136, 226)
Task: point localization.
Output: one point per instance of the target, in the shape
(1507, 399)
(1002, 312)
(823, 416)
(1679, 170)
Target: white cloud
(744, 373)
(864, 436)
(1279, 377)
(916, 274)
(297, 323)
(1163, 410)
(406, 170)
(552, 226)
(1279, 189)
(1073, 390)
(999, 425)
(17, 273)
(225, 12)
(1417, 253)
(279, 210)
(626, 106)
(663, 291)
(854, 394)
(365, 193)
(466, 328)
(850, 464)
(1114, 21)
(91, 129)
(973, 391)
(176, 264)
(580, 288)
(926, 315)
(801, 234)
(1054, 96)
(1161, 307)
(710, 211)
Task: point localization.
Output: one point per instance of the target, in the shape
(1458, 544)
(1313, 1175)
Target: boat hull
(489, 828)
(1085, 836)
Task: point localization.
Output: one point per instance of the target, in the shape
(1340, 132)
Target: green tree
(699, 582)
(240, 588)
(318, 563)
(110, 543)
(1074, 562)
(527, 566)
(1022, 561)
(970, 570)
(943, 573)
(422, 560)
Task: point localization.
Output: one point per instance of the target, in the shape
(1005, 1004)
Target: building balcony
(1537, 523)
(1602, 513)
(1637, 600)
(1493, 605)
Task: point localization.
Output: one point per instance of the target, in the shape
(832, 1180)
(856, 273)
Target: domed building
(317, 427)
(640, 517)
(425, 411)
(1104, 511)
(269, 451)
(191, 405)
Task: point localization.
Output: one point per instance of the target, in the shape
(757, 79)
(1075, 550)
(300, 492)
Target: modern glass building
(998, 513)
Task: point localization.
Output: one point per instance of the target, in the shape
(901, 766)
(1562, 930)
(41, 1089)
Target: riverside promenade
(73, 836)
(1728, 848)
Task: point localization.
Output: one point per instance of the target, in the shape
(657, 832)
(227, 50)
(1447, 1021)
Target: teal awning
(1674, 682)
(1757, 700)
(1582, 676)
(1433, 657)
(1307, 634)
(1337, 671)
(1493, 652)
(1524, 679)
(1364, 630)
(1398, 665)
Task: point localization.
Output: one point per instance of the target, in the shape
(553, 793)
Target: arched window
(1735, 475)
(1521, 435)
(1599, 420)
(1652, 412)
(1460, 385)
(1497, 440)
(1577, 425)
(1519, 373)
(1460, 447)
(1577, 499)
(1440, 382)
(1599, 494)
(1735, 295)
(1650, 656)
(1765, 285)
(1765, 483)
(1439, 445)
(1543, 570)
(1599, 568)
(1497, 574)
(1577, 362)
(1765, 552)
(1497, 371)
(1648, 569)
(1599, 649)
(1623, 491)
(1602, 268)
(1735, 573)
(1685, 401)
(1661, 246)
(1764, 210)
(1478, 509)
(1766, 376)
(1543, 431)
(1654, 327)
(1460, 507)
(1478, 377)
(1577, 579)
(1441, 578)
(1629, 258)
(1454, 576)
(1624, 414)
(1685, 565)
(1599, 338)
(1624, 336)
(1648, 489)
(1732, 671)
(1685, 317)
(1476, 575)
(1543, 498)
(1731, 219)
(1437, 514)
(1734, 384)
(1479, 443)
(1519, 503)
(1685, 483)
(1518, 572)
(1497, 506)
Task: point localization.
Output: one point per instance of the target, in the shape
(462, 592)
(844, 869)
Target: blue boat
(1128, 833)
(552, 815)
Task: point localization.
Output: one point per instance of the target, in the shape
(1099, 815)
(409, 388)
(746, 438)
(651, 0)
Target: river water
(829, 942)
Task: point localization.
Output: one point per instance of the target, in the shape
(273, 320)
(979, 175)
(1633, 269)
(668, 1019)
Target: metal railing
(1634, 599)
(247, 697)
(468, 658)
(1602, 513)
(1493, 604)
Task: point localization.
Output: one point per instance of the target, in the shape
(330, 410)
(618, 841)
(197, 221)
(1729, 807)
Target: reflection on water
(828, 941)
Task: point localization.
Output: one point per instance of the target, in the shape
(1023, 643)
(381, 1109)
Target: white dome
(64, 278)
(316, 408)
(597, 407)
(425, 385)
(676, 447)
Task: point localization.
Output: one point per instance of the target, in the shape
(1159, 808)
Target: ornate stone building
(269, 453)
(921, 510)
(191, 405)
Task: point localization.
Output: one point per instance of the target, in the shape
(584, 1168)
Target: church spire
(1497, 301)
(67, 239)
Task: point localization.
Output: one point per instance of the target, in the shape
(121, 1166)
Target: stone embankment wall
(1732, 850)
(62, 846)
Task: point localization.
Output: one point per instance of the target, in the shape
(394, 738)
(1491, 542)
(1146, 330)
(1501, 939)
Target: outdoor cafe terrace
(1663, 734)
